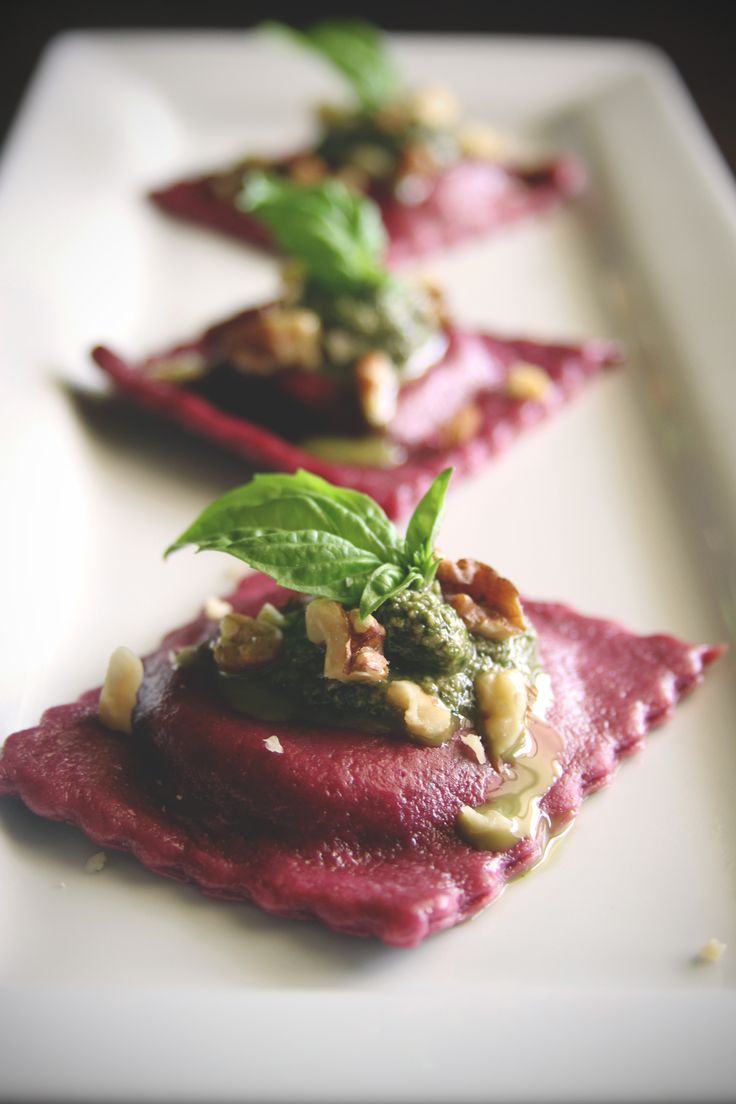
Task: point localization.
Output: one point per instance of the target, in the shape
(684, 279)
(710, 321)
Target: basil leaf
(357, 50)
(424, 525)
(308, 561)
(322, 540)
(335, 232)
(294, 502)
(386, 582)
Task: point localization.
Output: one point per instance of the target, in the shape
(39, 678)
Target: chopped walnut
(393, 117)
(474, 745)
(216, 608)
(461, 427)
(527, 381)
(712, 951)
(488, 604)
(264, 341)
(246, 642)
(435, 107)
(354, 177)
(378, 388)
(372, 159)
(503, 701)
(426, 718)
(308, 169)
(481, 143)
(417, 161)
(120, 690)
(295, 336)
(95, 863)
(273, 616)
(432, 286)
(354, 648)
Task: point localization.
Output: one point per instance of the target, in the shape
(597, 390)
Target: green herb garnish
(336, 233)
(323, 540)
(357, 50)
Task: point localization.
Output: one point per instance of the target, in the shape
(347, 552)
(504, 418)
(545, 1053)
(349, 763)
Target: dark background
(695, 35)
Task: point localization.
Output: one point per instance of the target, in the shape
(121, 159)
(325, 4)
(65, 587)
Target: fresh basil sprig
(322, 540)
(335, 232)
(357, 50)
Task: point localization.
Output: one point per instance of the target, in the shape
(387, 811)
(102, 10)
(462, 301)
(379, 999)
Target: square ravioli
(357, 830)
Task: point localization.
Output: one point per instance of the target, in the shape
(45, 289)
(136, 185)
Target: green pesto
(360, 141)
(396, 317)
(425, 642)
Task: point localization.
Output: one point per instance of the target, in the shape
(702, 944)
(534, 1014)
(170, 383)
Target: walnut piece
(273, 616)
(120, 690)
(503, 702)
(308, 169)
(481, 143)
(474, 745)
(430, 283)
(427, 719)
(487, 603)
(378, 388)
(712, 951)
(274, 337)
(216, 608)
(434, 107)
(353, 648)
(246, 642)
(527, 382)
(462, 426)
(95, 863)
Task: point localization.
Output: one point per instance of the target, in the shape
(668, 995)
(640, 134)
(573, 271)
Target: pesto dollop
(396, 317)
(377, 143)
(425, 643)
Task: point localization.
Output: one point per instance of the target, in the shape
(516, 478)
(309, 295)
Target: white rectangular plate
(580, 982)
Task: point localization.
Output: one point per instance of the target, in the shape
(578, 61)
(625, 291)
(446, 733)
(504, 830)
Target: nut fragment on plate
(487, 603)
(245, 642)
(378, 388)
(353, 648)
(120, 690)
(503, 701)
(712, 951)
(95, 863)
(527, 382)
(426, 718)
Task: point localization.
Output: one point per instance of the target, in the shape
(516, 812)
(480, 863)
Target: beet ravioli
(354, 373)
(437, 179)
(380, 747)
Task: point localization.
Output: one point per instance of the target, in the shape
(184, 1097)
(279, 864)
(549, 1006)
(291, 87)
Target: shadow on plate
(146, 441)
(267, 951)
